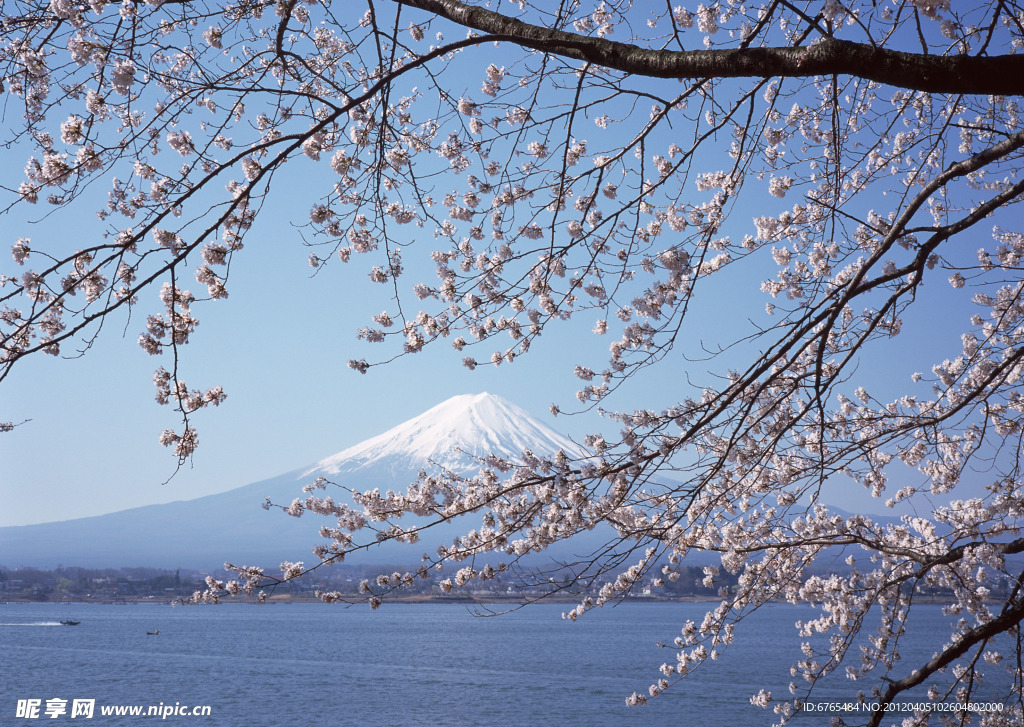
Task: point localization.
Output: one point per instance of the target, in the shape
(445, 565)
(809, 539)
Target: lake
(405, 664)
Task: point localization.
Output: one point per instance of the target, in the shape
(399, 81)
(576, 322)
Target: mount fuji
(233, 526)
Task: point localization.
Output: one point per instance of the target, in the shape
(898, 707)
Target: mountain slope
(232, 526)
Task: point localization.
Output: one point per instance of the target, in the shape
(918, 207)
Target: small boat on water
(153, 633)
(70, 623)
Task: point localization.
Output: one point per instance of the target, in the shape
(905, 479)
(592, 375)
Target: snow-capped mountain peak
(473, 424)
(233, 526)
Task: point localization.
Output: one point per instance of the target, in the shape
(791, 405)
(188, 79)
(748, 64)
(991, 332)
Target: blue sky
(91, 445)
(280, 344)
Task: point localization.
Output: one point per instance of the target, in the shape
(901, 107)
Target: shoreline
(351, 599)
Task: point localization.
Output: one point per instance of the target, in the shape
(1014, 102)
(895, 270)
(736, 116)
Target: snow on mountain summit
(473, 424)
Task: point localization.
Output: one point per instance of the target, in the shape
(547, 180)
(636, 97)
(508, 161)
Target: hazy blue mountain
(233, 526)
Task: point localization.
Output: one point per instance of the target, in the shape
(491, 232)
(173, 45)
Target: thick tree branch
(1010, 618)
(958, 74)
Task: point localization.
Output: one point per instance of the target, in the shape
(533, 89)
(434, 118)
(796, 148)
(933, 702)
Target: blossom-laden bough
(580, 161)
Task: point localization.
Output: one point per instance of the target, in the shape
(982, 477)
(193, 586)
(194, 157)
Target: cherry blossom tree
(598, 164)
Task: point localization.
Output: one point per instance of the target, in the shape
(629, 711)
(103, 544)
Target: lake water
(405, 664)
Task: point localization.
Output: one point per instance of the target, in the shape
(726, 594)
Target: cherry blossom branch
(1008, 619)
